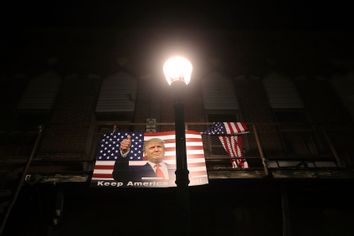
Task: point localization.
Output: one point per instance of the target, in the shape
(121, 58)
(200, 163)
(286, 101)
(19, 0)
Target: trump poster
(146, 160)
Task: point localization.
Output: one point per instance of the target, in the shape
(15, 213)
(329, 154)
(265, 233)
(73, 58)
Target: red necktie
(159, 172)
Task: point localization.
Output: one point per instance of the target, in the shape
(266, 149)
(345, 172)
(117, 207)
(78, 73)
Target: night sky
(219, 14)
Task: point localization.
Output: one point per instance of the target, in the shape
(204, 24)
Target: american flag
(109, 148)
(228, 134)
(226, 128)
(109, 145)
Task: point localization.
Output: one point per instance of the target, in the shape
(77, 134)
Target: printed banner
(146, 160)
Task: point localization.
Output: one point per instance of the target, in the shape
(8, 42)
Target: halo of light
(178, 68)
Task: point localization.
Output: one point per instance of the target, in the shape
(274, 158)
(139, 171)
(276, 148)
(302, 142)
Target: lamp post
(178, 72)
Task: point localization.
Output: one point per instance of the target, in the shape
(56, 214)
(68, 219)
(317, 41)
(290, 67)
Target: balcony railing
(271, 150)
(268, 147)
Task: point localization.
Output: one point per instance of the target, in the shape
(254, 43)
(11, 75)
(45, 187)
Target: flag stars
(110, 144)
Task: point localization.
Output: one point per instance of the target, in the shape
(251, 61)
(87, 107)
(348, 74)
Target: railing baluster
(260, 150)
(332, 148)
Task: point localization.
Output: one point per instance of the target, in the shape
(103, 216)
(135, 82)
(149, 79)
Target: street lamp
(178, 69)
(178, 72)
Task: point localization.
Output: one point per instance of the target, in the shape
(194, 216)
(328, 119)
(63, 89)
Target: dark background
(294, 37)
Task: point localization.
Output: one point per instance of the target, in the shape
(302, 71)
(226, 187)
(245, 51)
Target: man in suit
(154, 170)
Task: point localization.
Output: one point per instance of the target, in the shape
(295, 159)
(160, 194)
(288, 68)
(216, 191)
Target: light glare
(178, 69)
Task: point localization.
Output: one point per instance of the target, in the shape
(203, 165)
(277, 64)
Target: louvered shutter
(219, 93)
(281, 92)
(117, 94)
(41, 92)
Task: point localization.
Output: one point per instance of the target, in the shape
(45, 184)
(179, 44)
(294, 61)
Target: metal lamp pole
(182, 172)
(178, 72)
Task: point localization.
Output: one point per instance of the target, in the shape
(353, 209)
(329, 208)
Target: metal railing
(267, 147)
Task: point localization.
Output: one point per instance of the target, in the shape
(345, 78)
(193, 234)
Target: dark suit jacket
(123, 172)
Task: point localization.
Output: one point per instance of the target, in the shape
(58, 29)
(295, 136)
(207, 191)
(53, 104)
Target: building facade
(300, 120)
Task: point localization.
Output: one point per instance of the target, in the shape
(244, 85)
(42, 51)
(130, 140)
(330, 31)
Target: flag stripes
(233, 145)
(235, 127)
(228, 134)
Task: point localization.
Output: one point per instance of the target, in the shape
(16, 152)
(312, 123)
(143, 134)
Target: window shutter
(281, 92)
(344, 88)
(41, 92)
(117, 93)
(219, 93)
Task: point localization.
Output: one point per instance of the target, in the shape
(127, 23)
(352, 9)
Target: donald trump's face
(154, 150)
